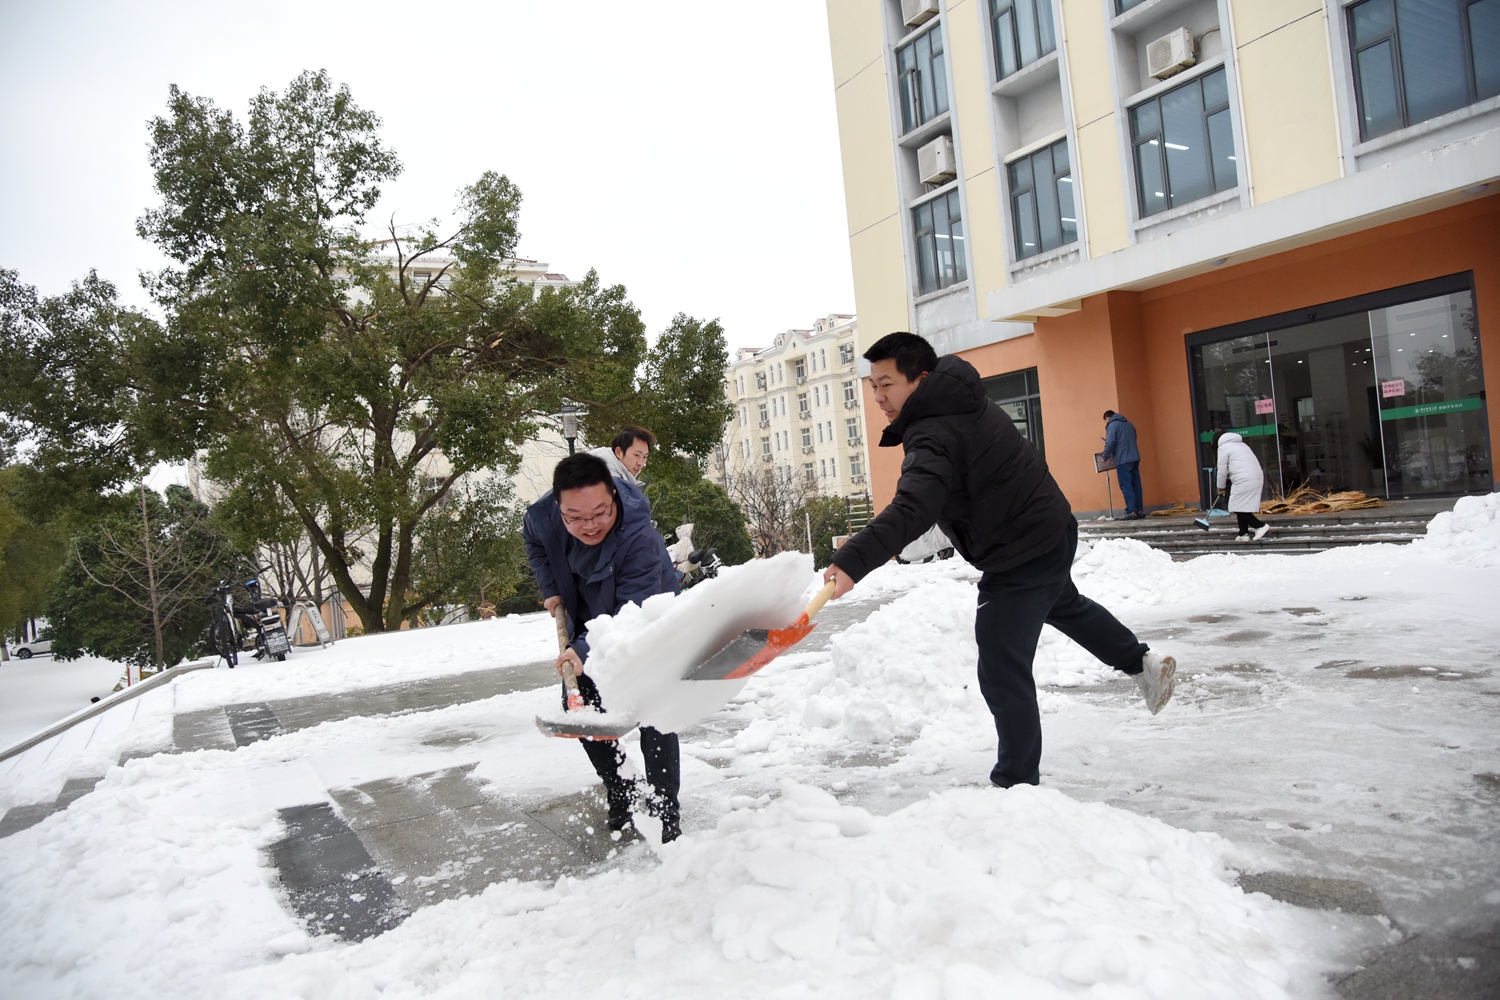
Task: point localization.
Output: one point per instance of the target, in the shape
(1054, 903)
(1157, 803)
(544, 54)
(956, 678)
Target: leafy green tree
(475, 552)
(30, 556)
(323, 376)
(829, 516)
(136, 587)
(716, 519)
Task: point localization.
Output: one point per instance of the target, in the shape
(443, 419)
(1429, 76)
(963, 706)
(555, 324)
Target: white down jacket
(1238, 465)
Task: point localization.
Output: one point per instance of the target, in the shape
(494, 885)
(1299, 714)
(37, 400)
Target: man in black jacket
(969, 470)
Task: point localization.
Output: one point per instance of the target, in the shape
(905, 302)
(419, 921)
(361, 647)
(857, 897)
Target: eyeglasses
(584, 522)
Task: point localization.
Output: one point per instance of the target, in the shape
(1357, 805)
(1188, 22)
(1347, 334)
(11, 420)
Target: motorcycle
(701, 564)
(255, 623)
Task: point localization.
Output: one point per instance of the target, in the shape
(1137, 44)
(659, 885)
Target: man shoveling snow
(968, 470)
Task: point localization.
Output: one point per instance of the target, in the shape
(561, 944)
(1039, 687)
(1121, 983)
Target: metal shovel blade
(581, 729)
(749, 651)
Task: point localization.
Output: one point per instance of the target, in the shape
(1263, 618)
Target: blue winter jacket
(1119, 441)
(634, 565)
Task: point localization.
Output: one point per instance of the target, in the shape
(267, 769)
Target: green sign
(1260, 430)
(1431, 409)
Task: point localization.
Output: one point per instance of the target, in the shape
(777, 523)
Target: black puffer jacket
(969, 470)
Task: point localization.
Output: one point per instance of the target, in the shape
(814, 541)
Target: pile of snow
(969, 893)
(638, 658)
(1469, 533)
(1116, 571)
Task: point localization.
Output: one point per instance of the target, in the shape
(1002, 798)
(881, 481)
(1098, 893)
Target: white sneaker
(1261, 531)
(1156, 680)
(1242, 538)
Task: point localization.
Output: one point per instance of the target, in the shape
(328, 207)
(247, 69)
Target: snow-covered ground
(1335, 717)
(37, 692)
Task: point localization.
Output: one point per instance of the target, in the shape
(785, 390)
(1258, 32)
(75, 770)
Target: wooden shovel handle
(821, 598)
(570, 682)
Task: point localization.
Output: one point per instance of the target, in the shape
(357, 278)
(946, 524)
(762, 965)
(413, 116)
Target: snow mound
(893, 578)
(1469, 533)
(1123, 570)
(639, 656)
(970, 893)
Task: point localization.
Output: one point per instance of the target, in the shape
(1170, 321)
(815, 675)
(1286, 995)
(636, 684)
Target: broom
(1202, 522)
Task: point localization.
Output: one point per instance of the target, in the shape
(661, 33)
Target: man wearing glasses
(593, 549)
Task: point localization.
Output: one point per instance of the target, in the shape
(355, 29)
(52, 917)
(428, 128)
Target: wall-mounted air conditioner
(935, 163)
(915, 12)
(1170, 54)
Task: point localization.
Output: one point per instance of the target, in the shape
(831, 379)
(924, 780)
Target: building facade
(1280, 217)
(798, 408)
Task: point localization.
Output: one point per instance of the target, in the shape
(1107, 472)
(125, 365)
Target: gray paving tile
(252, 723)
(1314, 893)
(205, 730)
(18, 818)
(75, 789)
(331, 881)
(393, 800)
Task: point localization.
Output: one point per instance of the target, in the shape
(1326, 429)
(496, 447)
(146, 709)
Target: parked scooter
(240, 627)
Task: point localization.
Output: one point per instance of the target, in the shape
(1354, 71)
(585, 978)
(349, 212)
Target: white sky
(689, 153)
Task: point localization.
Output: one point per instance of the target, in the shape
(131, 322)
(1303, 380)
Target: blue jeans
(1130, 485)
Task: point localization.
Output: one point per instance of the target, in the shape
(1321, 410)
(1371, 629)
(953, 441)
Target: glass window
(940, 243)
(846, 354)
(1184, 144)
(1418, 59)
(1016, 393)
(1121, 6)
(807, 437)
(803, 406)
(1041, 201)
(848, 399)
(851, 429)
(1022, 32)
(922, 79)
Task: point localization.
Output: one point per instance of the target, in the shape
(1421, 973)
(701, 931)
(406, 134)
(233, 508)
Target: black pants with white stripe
(1013, 605)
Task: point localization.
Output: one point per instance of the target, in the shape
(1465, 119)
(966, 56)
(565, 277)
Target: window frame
(1158, 138)
(910, 79)
(1016, 194)
(997, 10)
(928, 256)
(1392, 38)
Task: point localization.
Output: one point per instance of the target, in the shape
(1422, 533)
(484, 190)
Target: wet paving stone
(252, 723)
(1315, 893)
(331, 881)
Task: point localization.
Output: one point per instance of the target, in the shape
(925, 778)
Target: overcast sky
(689, 152)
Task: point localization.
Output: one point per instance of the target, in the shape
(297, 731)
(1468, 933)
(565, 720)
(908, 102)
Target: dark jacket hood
(951, 388)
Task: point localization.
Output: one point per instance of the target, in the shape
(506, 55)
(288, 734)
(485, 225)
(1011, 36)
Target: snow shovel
(754, 648)
(1202, 522)
(579, 728)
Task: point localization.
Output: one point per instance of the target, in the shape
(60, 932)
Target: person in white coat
(1240, 470)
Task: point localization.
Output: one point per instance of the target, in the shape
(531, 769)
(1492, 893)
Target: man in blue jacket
(593, 549)
(1119, 444)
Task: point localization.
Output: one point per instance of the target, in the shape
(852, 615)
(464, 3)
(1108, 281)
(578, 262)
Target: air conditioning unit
(805, 414)
(856, 442)
(857, 478)
(1170, 54)
(850, 404)
(915, 12)
(765, 458)
(809, 449)
(935, 163)
(801, 379)
(765, 423)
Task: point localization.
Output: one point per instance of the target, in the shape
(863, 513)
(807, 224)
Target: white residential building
(797, 407)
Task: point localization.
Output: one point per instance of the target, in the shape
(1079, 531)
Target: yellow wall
(975, 134)
(1286, 86)
(1099, 169)
(871, 199)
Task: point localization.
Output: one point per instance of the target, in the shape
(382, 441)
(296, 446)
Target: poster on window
(1395, 387)
(1264, 406)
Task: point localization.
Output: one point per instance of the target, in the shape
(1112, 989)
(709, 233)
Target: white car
(26, 650)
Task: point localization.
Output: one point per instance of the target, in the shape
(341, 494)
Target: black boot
(621, 798)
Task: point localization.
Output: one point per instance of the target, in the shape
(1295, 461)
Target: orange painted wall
(1125, 351)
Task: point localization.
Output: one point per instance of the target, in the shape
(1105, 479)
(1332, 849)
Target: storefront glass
(1387, 399)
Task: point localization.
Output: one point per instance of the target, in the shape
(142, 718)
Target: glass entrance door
(1388, 400)
(1431, 396)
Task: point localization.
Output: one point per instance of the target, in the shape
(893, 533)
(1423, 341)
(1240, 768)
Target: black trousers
(1013, 605)
(663, 761)
(1247, 521)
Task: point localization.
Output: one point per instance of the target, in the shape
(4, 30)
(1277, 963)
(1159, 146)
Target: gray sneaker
(1156, 680)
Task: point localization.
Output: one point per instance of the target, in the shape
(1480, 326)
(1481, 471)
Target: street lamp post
(568, 416)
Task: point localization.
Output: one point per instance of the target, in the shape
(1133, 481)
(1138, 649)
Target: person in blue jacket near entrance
(1119, 444)
(593, 549)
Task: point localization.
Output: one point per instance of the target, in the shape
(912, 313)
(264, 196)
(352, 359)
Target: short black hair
(1108, 414)
(577, 471)
(913, 355)
(629, 435)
